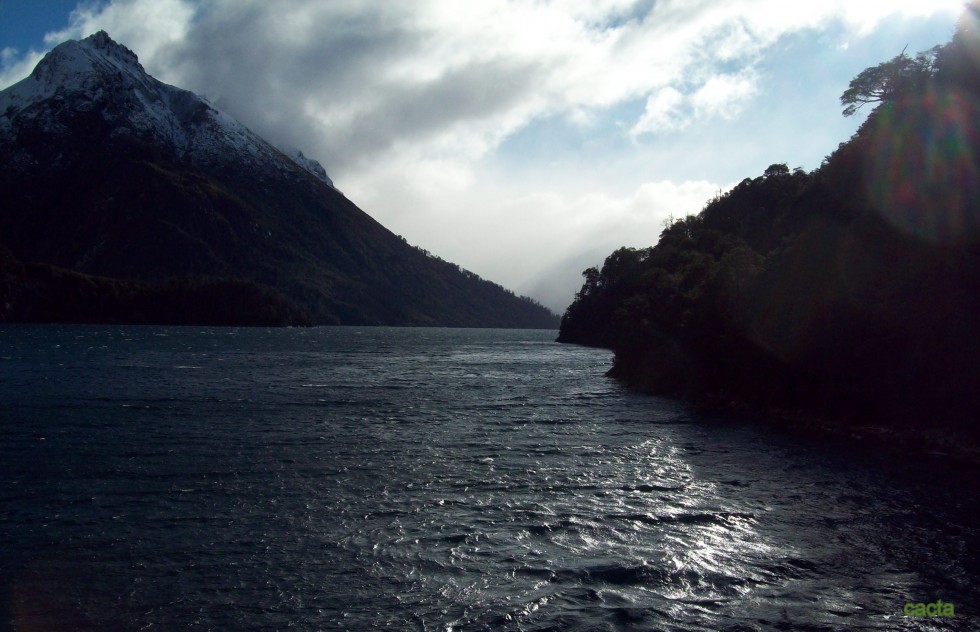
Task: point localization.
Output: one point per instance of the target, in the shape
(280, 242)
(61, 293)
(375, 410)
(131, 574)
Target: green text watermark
(938, 608)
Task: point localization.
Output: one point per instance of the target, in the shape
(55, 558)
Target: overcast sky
(523, 140)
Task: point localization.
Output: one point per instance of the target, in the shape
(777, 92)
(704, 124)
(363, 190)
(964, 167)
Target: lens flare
(922, 173)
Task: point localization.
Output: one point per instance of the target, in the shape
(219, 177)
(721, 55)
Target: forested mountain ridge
(110, 174)
(851, 290)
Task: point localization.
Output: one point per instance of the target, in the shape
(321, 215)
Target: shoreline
(955, 448)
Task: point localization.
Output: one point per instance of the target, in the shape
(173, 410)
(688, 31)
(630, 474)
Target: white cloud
(864, 16)
(723, 95)
(662, 113)
(720, 96)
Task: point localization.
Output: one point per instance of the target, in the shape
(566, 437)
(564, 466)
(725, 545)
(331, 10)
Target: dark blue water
(424, 479)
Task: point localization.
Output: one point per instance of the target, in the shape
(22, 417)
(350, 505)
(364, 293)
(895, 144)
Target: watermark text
(938, 608)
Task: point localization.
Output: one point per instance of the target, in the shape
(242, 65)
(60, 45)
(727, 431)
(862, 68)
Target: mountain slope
(107, 171)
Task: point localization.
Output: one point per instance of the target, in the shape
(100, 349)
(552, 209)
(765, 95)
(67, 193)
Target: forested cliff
(850, 290)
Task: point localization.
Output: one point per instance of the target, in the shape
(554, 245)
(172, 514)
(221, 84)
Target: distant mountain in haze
(119, 178)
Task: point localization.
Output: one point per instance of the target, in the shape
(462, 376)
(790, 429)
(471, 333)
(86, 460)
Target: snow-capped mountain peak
(72, 67)
(97, 75)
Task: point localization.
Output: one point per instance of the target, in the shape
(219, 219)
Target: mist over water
(436, 479)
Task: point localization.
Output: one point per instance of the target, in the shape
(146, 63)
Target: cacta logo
(935, 609)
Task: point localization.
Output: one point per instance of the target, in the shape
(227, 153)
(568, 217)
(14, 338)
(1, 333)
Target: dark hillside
(106, 171)
(37, 293)
(851, 290)
(124, 212)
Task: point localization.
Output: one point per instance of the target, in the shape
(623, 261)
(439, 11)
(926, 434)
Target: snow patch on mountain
(310, 165)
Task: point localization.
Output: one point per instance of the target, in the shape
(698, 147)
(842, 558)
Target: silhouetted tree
(889, 81)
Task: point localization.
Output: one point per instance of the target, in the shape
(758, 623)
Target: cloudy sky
(522, 139)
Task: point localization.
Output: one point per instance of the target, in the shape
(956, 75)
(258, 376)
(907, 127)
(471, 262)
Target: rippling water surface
(426, 479)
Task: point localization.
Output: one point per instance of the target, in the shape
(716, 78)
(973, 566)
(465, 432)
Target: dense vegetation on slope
(128, 212)
(851, 290)
(123, 212)
(39, 293)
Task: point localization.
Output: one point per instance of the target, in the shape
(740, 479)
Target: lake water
(437, 479)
